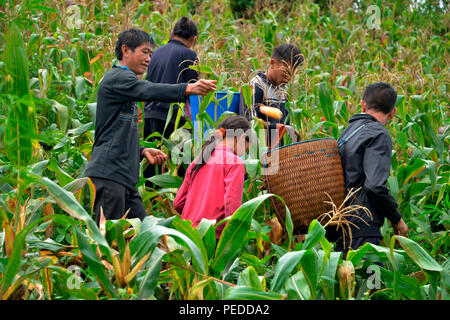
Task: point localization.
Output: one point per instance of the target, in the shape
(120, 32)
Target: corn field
(53, 55)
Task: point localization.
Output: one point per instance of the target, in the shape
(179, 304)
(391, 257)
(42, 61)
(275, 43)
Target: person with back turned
(365, 148)
(170, 64)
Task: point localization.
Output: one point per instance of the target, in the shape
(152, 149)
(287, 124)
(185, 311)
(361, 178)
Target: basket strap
(291, 133)
(344, 139)
(281, 132)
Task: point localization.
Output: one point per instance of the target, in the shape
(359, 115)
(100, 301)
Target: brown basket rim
(296, 143)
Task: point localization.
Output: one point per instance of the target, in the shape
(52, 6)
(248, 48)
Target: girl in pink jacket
(214, 182)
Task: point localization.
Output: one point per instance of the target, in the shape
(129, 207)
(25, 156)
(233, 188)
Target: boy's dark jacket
(366, 160)
(116, 153)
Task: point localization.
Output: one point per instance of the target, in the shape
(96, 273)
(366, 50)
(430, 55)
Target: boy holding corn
(269, 93)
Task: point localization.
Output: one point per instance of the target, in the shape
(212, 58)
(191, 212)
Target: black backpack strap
(344, 139)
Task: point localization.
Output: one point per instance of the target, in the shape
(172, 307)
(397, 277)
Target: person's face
(281, 74)
(137, 60)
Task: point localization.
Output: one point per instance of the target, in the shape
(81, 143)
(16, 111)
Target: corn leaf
(150, 279)
(14, 261)
(94, 263)
(315, 233)
(149, 237)
(185, 227)
(249, 293)
(67, 201)
(284, 267)
(249, 278)
(418, 254)
(329, 274)
(297, 287)
(234, 233)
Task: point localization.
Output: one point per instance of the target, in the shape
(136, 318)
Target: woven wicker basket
(306, 172)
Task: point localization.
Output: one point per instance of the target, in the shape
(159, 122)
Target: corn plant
(52, 58)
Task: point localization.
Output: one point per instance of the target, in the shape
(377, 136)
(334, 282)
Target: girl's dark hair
(234, 126)
(185, 28)
(132, 38)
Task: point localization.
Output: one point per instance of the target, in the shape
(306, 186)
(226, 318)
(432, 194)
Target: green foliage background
(52, 57)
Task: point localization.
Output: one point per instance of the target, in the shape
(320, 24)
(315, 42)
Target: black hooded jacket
(169, 64)
(116, 153)
(365, 148)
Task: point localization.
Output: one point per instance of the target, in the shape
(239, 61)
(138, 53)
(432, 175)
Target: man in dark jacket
(365, 148)
(170, 64)
(116, 153)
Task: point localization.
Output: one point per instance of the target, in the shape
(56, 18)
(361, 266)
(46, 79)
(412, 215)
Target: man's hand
(400, 228)
(154, 156)
(201, 87)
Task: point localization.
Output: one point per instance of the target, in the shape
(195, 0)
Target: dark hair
(185, 28)
(234, 126)
(289, 53)
(132, 38)
(380, 96)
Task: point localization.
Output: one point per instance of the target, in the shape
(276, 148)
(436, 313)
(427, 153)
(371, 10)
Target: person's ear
(125, 50)
(273, 63)
(392, 113)
(363, 106)
(191, 41)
